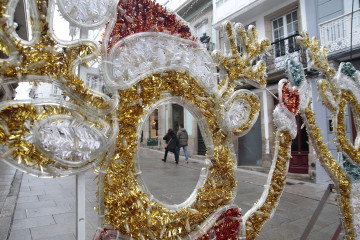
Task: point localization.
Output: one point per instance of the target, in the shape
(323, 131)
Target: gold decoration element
(46, 57)
(16, 129)
(335, 99)
(239, 65)
(342, 184)
(43, 59)
(327, 95)
(259, 215)
(237, 120)
(319, 60)
(352, 151)
(317, 55)
(13, 131)
(129, 209)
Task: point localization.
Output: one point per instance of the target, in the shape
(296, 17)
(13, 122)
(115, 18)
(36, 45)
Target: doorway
(299, 150)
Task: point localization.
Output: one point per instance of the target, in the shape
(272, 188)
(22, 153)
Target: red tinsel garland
(145, 16)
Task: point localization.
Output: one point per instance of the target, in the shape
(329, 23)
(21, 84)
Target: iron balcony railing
(335, 34)
(281, 50)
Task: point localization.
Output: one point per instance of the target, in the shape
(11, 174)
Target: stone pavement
(10, 180)
(45, 208)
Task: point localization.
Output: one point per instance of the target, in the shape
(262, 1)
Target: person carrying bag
(167, 144)
(171, 144)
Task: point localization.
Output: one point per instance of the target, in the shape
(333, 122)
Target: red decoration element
(145, 16)
(105, 234)
(227, 226)
(290, 98)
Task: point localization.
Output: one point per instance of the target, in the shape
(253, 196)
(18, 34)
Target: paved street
(45, 208)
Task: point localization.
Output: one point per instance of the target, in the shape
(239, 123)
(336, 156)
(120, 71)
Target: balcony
(335, 34)
(280, 51)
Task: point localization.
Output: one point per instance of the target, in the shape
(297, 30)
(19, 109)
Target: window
(284, 30)
(56, 91)
(92, 82)
(239, 47)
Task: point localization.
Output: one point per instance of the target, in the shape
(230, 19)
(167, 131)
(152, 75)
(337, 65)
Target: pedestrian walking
(183, 137)
(171, 144)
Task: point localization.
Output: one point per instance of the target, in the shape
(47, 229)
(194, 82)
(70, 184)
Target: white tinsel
(355, 205)
(146, 53)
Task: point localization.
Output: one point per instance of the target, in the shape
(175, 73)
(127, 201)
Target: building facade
(281, 21)
(199, 16)
(8, 90)
(336, 23)
(338, 29)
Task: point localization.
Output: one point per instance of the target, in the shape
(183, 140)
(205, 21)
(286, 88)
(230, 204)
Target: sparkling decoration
(284, 120)
(349, 70)
(347, 81)
(350, 168)
(87, 14)
(121, 185)
(296, 75)
(144, 16)
(66, 138)
(264, 208)
(331, 166)
(159, 68)
(289, 97)
(143, 54)
(327, 95)
(30, 129)
(227, 226)
(295, 72)
(239, 66)
(343, 140)
(287, 108)
(241, 112)
(149, 58)
(318, 56)
(338, 91)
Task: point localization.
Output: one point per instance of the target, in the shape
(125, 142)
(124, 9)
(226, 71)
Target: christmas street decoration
(337, 91)
(148, 57)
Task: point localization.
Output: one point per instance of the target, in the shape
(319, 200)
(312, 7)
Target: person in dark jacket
(182, 135)
(173, 143)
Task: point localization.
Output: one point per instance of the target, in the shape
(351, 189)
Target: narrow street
(45, 208)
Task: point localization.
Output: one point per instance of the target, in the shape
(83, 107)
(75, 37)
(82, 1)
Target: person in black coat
(173, 144)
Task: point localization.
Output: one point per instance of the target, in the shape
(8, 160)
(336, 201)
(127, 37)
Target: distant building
(199, 16)
(330, 22)
(7, 90)
(281, 21)
(90, 75)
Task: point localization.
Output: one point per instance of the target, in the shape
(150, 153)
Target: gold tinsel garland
(332, 168)
(129, 209)
(48, 58)
(346, 146)
(15, 131)
(258, 218)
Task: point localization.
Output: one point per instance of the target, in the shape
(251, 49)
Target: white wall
(172, 4)
(224, 8)
(348, 5)
(249, 12)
